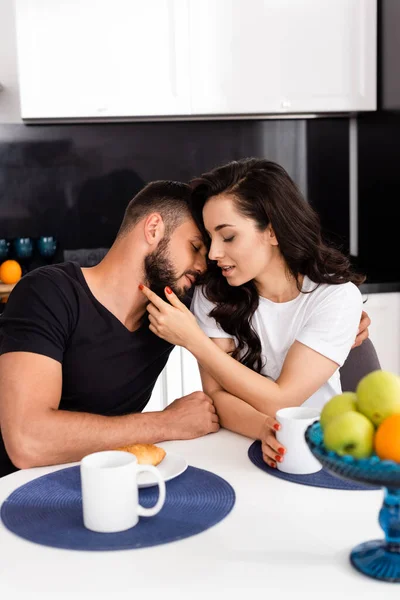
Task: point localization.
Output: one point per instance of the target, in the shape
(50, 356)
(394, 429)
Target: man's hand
(190, 417)
(363, 332)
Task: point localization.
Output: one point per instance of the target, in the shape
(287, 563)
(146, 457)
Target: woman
(281, 307)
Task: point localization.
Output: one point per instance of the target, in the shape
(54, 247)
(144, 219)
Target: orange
(387, 439)
(10, 271)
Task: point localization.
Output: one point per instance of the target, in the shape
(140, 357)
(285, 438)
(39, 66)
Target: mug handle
(150, 512)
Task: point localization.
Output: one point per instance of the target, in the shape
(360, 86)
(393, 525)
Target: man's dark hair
(169, 198)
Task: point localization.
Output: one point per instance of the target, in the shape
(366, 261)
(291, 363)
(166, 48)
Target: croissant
(146, 454)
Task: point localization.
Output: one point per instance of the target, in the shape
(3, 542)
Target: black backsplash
(378, 189)
(74, 181)
(328, 176)
(379, 195)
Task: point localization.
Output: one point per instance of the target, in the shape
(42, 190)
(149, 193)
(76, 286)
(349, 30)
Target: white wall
(9, 95)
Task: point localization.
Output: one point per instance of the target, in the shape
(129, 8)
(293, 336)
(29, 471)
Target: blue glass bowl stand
(379, 559)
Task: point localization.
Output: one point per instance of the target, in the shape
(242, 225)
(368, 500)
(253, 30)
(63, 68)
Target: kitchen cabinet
(191, 380)
(180, 377)
(389, 54)
(173, 376)
(157, 401)
(282, 56)
(194, 58)
(84, 59)
(384, 312)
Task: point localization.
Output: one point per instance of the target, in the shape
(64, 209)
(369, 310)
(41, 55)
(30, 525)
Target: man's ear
(153, 229)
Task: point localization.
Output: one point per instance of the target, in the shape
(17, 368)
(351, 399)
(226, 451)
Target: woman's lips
(227, 272)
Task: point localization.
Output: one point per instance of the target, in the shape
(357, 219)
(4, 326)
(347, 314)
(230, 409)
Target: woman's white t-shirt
(325, 320)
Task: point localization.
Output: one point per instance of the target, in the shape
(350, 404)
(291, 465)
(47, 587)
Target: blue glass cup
(47, 245)
(23, 248)
(4, 249)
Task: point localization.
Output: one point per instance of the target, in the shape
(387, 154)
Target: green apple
(337, 405)
(350, 433)
(378, 395)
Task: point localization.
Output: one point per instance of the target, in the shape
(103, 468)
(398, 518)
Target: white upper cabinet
(282, 56)
(180, 58)
(102, 58)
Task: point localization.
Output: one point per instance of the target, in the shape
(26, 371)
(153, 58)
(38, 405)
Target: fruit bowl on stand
(379, 559)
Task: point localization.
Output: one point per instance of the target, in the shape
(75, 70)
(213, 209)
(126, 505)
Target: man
(77, 359)
(78, 362)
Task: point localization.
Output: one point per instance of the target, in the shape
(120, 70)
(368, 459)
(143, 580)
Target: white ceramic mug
(298, 458)
(110, 491)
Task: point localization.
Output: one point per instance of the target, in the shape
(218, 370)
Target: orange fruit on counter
(10, 271)
(387, 439)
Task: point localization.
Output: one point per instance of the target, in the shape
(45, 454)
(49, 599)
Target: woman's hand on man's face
(171, 321)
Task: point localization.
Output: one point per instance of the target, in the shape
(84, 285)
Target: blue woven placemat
(320, 479)
(48, 511)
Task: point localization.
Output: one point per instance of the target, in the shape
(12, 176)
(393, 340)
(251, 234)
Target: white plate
(171, 466)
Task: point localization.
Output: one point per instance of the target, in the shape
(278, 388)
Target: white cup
(298, 458)
(110, 491)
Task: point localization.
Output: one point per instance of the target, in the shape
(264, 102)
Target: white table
(281, 538)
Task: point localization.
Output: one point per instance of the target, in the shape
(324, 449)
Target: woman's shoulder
(333, 291)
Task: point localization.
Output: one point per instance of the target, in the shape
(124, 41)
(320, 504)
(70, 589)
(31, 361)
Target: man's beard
(160, 272)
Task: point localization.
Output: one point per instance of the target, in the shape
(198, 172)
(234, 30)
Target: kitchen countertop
(282, 538)
(380, 279)
(5, 289)
(380, 287)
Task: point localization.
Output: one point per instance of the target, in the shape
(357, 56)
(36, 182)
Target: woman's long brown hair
(263, 191)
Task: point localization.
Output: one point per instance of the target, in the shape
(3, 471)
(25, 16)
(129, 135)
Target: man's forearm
(62, 436)
(237, 415)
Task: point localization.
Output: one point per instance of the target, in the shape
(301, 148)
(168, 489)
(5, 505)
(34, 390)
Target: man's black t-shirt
(106, 369)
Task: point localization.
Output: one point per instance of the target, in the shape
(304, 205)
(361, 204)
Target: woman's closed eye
(229, 239)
